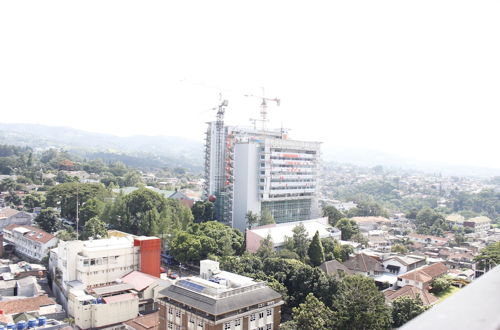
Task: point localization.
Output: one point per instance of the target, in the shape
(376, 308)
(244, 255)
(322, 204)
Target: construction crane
(263, 107)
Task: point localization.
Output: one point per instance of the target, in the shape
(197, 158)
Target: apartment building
(29, 242)
(219, 300)
(478, 224)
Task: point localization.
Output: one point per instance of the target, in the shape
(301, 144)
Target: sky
(418, 79)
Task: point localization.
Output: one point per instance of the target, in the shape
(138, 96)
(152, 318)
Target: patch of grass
(445, 294)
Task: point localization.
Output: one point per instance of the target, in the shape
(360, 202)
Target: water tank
(2, 327)
(11, 325)
(31, 323)
(41, 321)
(21, 325)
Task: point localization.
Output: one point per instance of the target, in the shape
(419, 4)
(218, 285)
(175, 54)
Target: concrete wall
(246, 185)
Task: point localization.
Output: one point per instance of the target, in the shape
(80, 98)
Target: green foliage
(334, 250)
(333, 214)
(94, 228)
(13, 199)
(65, 196)
(315, 252)
(360, 238)
(266, 248)
(487, 202)
(266, 218)
(359, 305)
(430, 222)
(399, 248)
(348, 227)
(201, 240)
(203, 211)
(405, 309)
(48, 220)
(33, 200)
(440, 284)
(488, 257)
(67, 234)
(299, 242)
(312, 315)
(367, 209)
(252, 219)
(92, 208)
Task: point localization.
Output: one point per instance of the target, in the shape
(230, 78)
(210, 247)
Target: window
(170, 310)
(170, 326)
(252, 317)
(177, 313)
(191, 320)
(227, 325)
(261, 315)
(269, 326)
(237, 322)
(269, 312)
(85, 262)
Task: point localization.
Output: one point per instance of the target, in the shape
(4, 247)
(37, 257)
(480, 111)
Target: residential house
(30, 242)
(182, 198)
(428, 239)
(455, 220)
(371, 223)
(425, 296)
(402, 264)
(335, 268)
(10, 216)
(422, 277)
(364, 264)
(478, 224)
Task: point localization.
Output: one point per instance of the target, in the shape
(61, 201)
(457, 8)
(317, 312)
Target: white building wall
(246, 183)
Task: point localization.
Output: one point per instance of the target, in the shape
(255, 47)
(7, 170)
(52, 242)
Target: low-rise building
(219, 300)
(428, 239)
(10, 216)
(478, 224)
(455, 220)
(364, 264)
(279, 232)
(30, 242)
(422, 277)
(402, 264)
(425, 296)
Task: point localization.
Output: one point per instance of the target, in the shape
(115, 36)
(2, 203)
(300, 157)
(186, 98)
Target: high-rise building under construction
(251, 169)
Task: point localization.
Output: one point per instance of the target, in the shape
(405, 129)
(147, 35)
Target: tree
(300, 240)
(399, 248)
(203, 211)
(312, 315)
(359, 305)
(488, 257)
(430, 222)
(440, 284)
(95, 228)
(252, 219)
(360, 238)
(7, 185)
(266, 218)
(348, 227)
(48, 220)
(33, 200)
(92, 208)
(333, 214)
(13, 199)
(404, 309)
(266, 248)
(67, 234)
(315, 252)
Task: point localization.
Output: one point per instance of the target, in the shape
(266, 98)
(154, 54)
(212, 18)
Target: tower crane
(263, 106)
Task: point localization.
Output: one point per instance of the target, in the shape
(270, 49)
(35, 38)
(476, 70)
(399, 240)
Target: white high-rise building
(247, 169)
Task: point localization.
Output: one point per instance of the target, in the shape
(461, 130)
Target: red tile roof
(25, 305)
(145, 322)
(364, 263)
(414, 292)
(118, 298)
(35, 234)
(427, 273)
(8, 212)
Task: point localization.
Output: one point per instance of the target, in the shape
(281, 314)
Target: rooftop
(426, 273)
(278, 232)
(31, 233)
(25, 305)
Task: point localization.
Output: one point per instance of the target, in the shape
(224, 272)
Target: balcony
(477, 306)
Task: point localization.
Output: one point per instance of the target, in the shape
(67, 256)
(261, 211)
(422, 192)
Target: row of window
(253, 317)
(100, 261)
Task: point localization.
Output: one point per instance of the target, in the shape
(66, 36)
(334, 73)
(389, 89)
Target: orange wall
(150, 255)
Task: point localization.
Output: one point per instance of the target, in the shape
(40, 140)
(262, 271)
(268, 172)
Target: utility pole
(77, 211)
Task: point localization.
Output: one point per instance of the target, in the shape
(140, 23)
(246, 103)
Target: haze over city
(419, 80)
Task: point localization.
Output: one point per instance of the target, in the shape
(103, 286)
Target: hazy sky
(415, 78)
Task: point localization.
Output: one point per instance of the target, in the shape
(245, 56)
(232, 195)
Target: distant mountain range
(139, 150)
(171, 151)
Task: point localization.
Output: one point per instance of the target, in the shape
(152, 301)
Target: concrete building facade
(30, 242)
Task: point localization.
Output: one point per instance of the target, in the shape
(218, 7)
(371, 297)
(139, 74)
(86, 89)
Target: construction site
(256, 168)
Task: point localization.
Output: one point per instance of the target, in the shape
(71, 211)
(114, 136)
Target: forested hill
(137, 151)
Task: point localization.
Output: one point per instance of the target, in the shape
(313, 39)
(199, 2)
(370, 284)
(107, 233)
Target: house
(428, 239)
(144, 322)
(146, 287)
(41, 305)
(371, 223)
(219, 300)
(182, 198)
(425, 296)
(364, 264)
(422, 277)
(455, 220)
(10, 216)
(279, 232)
(402, 264)
(478, 224)
(335, 268)
(30, 242)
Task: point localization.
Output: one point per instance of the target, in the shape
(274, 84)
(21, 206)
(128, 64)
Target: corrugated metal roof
(113, 288)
